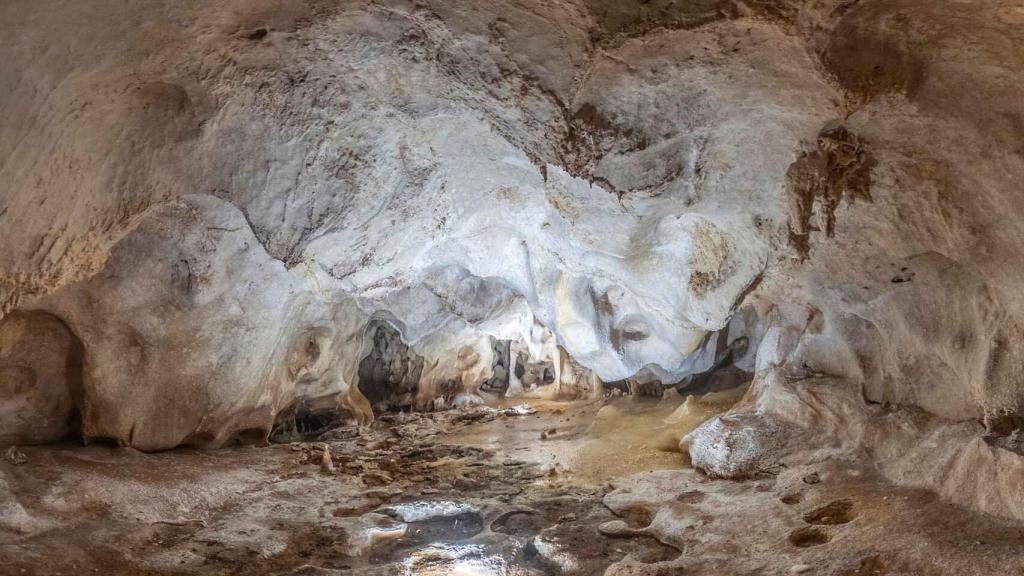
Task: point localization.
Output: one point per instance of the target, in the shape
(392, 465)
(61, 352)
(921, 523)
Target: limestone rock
(737, 445)
(40, 378)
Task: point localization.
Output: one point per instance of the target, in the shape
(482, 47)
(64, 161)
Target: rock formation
(212, 213)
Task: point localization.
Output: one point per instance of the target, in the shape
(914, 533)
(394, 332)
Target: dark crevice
(501, 368)
(389, 375)
(305, 420)
(723, 374)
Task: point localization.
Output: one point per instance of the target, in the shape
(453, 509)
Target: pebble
(800, 569)
(15, 456)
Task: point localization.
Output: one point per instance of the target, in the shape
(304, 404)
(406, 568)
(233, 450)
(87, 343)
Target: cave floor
(474, 492)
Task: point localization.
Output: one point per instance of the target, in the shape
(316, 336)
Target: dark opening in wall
(532, 374)
(389, 375)
(307, 420)
(502, 362)
(723, 374)
(251, 437)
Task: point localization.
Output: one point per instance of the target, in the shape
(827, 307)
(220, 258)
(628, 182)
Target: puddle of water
(439, 525)
(454, 560)
(428, 509)
(592, 441)
(553, 553)
(517, 410)
(639, 434)
(694, 411)
(370, 530)
(444, 529)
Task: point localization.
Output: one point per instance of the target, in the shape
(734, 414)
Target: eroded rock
(738, 445)
(40, 379)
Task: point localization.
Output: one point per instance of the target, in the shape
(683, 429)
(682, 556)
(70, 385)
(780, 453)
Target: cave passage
(512, 288)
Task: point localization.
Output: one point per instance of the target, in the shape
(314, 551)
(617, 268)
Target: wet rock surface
(417, 494)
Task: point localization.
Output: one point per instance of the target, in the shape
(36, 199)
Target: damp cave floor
(572, 489)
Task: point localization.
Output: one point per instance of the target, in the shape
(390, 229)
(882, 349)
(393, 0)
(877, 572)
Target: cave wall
(40, 379)
(193, 335)
(216, 198)
(561, 206)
